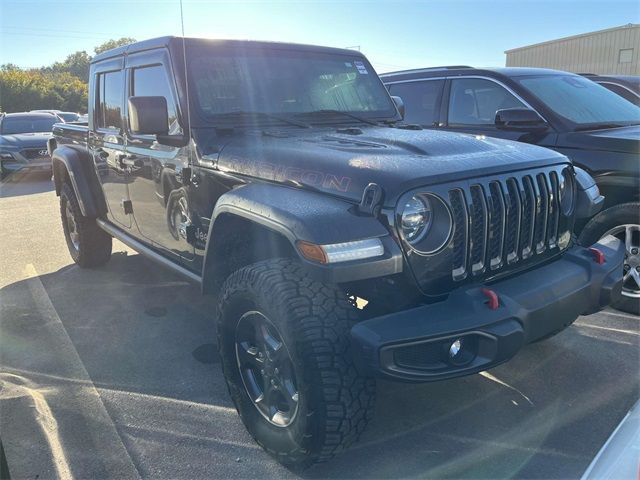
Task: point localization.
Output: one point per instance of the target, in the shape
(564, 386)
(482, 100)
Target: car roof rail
(588, 74)
(427, 69)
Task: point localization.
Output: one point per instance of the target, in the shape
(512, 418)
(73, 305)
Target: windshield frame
(568, 123)
(208, 120)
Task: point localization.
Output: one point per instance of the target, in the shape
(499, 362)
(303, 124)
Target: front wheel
(285, 349)
(623, 222)
(88, 244)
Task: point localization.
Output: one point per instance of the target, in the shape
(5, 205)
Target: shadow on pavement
(25, 183)
(146, 339)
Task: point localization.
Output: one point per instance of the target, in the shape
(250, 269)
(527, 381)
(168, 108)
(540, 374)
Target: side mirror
(148, 116)
(523, 119)
(399, 105)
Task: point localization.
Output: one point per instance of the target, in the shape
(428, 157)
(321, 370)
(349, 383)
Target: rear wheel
(285, 349)
(88, 244)
(621, 221)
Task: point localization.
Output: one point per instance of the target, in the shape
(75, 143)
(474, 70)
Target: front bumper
(414, 345)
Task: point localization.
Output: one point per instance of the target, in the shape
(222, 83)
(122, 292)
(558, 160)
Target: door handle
(129, 160)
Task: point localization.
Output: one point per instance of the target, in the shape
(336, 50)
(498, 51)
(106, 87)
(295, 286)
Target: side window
(474, 101)
(109, 100)
(421, 100)
(153, 82)
(623, 92)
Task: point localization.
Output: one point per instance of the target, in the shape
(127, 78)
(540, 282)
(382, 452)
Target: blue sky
(393, 34)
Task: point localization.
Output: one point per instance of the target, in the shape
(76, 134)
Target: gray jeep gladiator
(342, 244)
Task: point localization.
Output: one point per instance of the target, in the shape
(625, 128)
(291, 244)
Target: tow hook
(493, 302)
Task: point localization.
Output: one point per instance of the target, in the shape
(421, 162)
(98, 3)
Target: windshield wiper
(601, 126)
(339, 112)
(264, 115)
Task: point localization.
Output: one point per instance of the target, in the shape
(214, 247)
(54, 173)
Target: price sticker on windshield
(361, 68)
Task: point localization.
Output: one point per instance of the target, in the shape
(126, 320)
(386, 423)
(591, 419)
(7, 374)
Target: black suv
(23, 141)
(598, 130)
(342, 244)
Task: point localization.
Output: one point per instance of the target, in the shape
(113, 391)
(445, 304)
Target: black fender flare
(77, 165)
(310, 216)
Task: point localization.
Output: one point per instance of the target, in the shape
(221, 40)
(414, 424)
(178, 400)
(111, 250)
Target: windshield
(287, 83)
(69, 117)
(39, 123)
(581, 101)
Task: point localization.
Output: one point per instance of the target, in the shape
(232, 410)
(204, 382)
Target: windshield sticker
(348, 64)
(361, 68)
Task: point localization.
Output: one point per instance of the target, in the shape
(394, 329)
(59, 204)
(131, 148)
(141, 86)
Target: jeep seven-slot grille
(500, 222)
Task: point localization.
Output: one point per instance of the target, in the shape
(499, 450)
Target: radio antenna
(186, 85)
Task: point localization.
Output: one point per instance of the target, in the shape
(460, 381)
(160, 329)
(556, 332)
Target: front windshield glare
(580, 100)
(12, 126)
(288, 83)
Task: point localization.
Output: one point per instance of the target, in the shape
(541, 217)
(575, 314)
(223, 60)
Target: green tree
(76, 64)
(113, 44)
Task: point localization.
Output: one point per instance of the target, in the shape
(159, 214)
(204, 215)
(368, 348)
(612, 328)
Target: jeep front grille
(503, 221)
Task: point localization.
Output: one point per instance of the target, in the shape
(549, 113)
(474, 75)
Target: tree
(61, 86)
(113, 44)
(76, 64)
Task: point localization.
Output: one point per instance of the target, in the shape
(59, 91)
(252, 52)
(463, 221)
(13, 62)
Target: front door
(107, 144)
(158, 196)
(472, 106)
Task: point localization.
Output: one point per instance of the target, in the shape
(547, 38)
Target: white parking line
(609, 329)
(621, 315)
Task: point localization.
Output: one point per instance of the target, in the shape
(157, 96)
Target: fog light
(455, 348)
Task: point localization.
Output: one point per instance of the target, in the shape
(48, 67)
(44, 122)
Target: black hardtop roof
(452, 71)
(167, 41)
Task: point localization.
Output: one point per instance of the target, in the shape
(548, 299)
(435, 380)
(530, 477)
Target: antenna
(186, 84)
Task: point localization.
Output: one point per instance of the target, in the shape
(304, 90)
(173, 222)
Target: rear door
(159, 197)
(106, 137)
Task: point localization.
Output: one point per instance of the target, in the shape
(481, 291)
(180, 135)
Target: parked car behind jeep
(23, 141)
(285, 183)
(597, 129)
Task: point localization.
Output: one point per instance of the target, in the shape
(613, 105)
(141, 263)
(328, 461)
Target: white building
(611, 51)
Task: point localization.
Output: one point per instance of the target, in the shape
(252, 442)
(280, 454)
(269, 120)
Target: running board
(142, 249)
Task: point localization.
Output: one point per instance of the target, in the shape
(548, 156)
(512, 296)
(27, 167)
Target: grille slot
(502, 222)
(554, 211)
(542, 213)
(479, 222)
(460, 233)
(514, 216)
(497, 220)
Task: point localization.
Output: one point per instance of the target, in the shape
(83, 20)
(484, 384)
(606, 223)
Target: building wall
(596, 52)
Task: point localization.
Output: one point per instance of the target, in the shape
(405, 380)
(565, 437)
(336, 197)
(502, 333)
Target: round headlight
(567, 192)
(425, 223)
(416, 219)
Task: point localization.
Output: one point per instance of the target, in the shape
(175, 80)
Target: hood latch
(371, 200)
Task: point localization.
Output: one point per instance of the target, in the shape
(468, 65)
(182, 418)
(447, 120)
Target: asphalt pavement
(113, 372)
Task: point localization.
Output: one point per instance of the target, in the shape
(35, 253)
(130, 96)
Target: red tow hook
(492, 298)
(598, 256)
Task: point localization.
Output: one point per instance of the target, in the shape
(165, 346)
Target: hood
(623, 140)
(25, 140)
(343, 164)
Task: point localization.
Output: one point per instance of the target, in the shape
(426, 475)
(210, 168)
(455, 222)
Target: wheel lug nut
(276, 371)
(262, 372)
(634, 251)
(638, 268)
(273, 382)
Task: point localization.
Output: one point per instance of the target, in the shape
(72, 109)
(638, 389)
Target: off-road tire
(93, 244)
(314, 321)
(623, 214)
